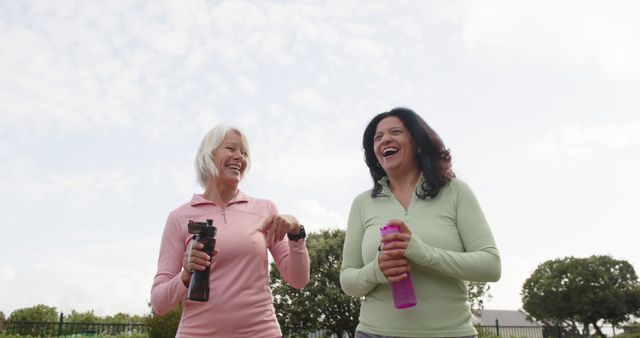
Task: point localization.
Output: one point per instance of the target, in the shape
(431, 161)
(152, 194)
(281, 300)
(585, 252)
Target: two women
(444, 240)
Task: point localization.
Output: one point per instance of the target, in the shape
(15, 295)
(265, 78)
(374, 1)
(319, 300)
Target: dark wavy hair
(434, 160)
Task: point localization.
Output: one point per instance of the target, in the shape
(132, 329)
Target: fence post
(60, 325)
(497, 327)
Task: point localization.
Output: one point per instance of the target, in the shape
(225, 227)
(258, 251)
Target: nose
(385, 138)
(238, 155)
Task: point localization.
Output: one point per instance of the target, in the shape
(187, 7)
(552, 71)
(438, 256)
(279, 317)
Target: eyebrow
(390, 129)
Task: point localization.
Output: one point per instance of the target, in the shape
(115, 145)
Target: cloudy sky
(103, 104)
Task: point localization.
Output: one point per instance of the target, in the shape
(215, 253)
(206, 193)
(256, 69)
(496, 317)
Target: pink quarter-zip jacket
(240, 302)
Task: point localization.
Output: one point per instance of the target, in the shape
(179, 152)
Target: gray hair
(211, 141)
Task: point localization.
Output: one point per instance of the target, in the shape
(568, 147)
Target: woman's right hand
(392, 260)
(194, 259)
(394, 268)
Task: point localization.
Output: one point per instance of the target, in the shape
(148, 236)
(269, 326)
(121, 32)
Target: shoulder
(181, 210)
(458, 189)
(253, 200)
(362, 197)
(256, 204)
(457, 184)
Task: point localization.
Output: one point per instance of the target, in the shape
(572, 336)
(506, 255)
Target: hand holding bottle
(396, 265)
(393, 246)
(203, 233)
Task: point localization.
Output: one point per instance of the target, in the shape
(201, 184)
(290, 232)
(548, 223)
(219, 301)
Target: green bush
(629, 335)
(164, 326)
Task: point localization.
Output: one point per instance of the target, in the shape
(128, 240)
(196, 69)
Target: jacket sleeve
(168, 290)
(291, 259)
(356, 278)
(480, 261)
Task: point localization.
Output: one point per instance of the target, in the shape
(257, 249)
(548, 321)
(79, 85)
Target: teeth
(387, 151)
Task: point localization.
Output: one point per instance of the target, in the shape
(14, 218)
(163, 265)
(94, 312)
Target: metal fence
(49, 329)
(497, 330)
(541, 331)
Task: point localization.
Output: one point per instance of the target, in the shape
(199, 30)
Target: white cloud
(317, 217)
(569, 34)
(307, 98)
(584, 146)
(146, 81)
(107, 277)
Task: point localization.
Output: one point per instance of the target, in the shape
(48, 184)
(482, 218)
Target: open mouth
(389, 151)
(234, 167)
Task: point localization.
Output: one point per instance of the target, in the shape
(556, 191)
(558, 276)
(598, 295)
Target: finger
(395, 245)
(396, 254)
(396, 237)
(199, 260)
(401, 224)
(398, 278)
(283, 228)
(393, 263)
(292, 223)
(266, 224)
(391, 272)
(279, 224)
(403, 227)
(270, 230)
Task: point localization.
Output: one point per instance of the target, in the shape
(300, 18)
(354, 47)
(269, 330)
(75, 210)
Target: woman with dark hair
(444, 238)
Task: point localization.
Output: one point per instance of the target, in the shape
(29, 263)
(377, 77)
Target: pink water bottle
(404, 295)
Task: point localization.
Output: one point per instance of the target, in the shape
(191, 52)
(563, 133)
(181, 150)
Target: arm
(480, 261)
(292, 260)
(356, 278)
(168, 288)
(291, 257)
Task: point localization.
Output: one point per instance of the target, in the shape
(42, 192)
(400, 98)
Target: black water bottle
(204, 233)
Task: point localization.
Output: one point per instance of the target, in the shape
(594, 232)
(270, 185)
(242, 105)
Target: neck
(404, 182)
(220, 192)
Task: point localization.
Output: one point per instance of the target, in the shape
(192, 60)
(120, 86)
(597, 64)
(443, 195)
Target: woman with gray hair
(241, 304)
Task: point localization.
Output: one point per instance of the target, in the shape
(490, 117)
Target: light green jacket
(451, 242)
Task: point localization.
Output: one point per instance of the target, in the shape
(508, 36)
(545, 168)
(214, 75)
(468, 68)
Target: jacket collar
(386, 190)
(198, 199)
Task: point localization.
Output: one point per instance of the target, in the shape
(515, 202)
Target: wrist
(186, 277)
(300, 234)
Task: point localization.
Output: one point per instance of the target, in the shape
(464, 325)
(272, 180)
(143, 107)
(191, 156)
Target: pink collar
(198, 199)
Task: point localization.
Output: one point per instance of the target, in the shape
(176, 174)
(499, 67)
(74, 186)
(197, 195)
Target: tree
(38, 313)
(2, 321)
(31, 317)
(123, 318)
(165, 325)
(586, 291)
(82, 317)
(321, 304)
(476, 292)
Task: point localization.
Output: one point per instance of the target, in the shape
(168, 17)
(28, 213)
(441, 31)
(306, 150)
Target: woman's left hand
(277, 226)
(395, 245)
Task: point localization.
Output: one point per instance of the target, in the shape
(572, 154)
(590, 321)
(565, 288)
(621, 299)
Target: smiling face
(230, 158)
(394, 147)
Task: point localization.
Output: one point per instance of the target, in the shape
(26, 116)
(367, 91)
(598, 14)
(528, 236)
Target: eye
(377, 137)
